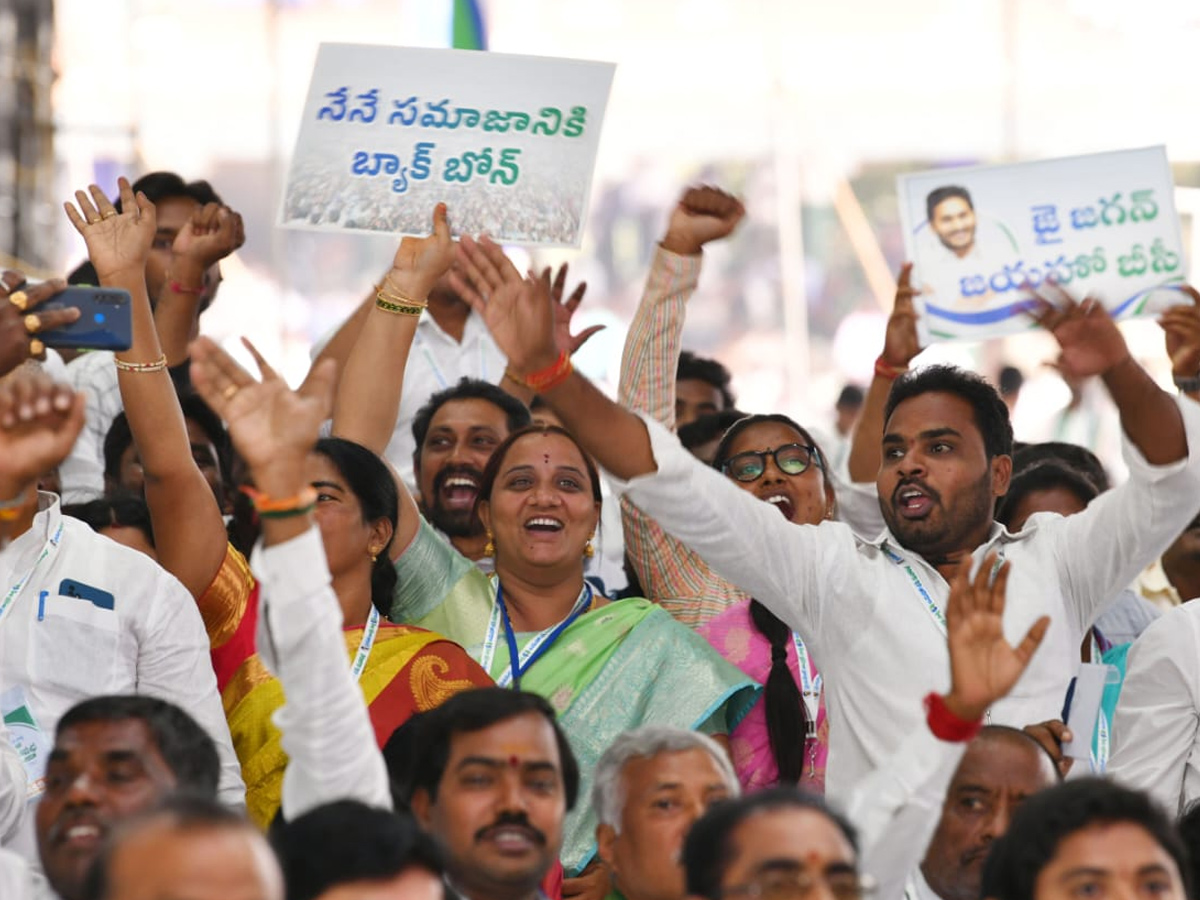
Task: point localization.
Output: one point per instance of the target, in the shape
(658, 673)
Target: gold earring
(489, 549)
(588, 550)
(373, 554)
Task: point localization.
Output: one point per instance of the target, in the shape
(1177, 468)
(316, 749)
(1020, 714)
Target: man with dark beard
(454, 434)
(873, 610)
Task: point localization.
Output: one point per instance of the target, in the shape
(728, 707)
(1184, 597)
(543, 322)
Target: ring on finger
(19, 299)
(92, 221)
(36, 347)
(230, 391)
(33, 323)
(109, 214)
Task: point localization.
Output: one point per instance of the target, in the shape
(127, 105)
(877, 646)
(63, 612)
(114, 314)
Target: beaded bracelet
(142, 368)
(400, 309)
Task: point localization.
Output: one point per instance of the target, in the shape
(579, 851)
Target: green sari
(626, 664)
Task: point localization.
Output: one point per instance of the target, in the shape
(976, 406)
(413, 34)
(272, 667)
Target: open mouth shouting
(913, 501)
(458, 488)
(783, 503)
(547, 525)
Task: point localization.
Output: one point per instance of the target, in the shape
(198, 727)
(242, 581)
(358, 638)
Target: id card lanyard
(1100, 754)
(50, 547)
(364, 646)
(810, 687)
(520, 663)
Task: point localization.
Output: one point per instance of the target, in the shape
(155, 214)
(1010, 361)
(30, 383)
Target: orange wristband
(551, 376)
(264, 504)
(891, 373)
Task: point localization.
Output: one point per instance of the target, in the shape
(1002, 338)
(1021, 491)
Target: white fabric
(897, 809)
(1156, 731)
(81, 474)
(18, 881)
(327, 731)
(152, 641)
(919, 889)
(13, 787)
(874, 641)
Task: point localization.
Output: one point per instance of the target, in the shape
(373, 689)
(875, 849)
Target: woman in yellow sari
(401, 669)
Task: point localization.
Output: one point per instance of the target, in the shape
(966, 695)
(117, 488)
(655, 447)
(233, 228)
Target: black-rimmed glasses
(790, 459)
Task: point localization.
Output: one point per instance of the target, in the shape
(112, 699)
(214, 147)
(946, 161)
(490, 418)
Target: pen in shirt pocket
(42, 595)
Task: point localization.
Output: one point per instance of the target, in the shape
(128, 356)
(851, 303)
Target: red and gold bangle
(552, 376)
(178, 288)
(890, 372)
(272, 508)
(141, 368)
(945, 725)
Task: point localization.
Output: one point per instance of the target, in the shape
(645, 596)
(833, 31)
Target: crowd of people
(353, 640)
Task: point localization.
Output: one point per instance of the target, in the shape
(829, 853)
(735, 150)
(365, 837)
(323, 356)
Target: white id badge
(1085, 709)
(27, 738)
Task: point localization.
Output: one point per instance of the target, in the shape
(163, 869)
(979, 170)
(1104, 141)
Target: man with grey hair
(650, 786)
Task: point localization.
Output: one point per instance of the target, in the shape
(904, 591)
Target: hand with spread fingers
(983, 665)
(39, 422)
(211, 234)
(1090, 342)
(20, 322)
(1181, 325)
(901, 342)
(564, 310)
(118, 242)
(273, 427)
(519, 312)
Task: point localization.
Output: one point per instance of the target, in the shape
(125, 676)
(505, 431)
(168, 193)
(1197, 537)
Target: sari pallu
(617, 667)
(409, 670)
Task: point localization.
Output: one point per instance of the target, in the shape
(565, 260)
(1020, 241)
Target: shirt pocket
(75, 646)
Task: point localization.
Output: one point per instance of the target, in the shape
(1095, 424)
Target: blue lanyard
(521, 663)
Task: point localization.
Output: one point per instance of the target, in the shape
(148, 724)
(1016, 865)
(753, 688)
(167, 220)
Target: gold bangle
(399, 309)
(389, 292)
(142, 367)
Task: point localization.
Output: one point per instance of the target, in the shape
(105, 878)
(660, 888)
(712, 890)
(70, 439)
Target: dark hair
(708, 850)
(159, 186)
(371, 481)
(120, 510)
(1010, 380)
(701, 368)
(185, 747)
(475, 710)
(488, 482)
(400, 755)
(851, 395)
(1080, 459)
(708, 427)
(120, 437)
(1042, 477)
(991, 415)
(349, 841)
(1188, 827)
(182, 811)
(468, 389)
(1042, 822)
(731, 435)
(940, 195)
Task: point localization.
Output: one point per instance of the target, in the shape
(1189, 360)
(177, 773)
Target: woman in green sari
(605, 666)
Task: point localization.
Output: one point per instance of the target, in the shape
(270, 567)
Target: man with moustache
(494, 781)
(872, 611)
(454, 434)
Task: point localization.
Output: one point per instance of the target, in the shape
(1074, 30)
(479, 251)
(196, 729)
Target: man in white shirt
(82, 615)
(870, 611)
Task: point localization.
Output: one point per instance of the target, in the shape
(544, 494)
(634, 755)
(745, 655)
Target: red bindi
(514, 762)
(546, 458)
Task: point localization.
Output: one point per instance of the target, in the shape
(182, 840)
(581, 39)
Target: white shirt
(876, 643)
(896, 810)
(1156, 731)
(13, 787)
(326, 729)
(81, 474)
(152, 640)
(19, 881)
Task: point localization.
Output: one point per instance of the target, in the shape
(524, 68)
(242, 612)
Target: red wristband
(891, 373)
(945, 725)
(551, 376)
(180, 289)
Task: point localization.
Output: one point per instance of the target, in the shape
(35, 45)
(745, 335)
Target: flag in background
(467, 26)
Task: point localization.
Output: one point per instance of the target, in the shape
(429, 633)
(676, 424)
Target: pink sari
(734, 636)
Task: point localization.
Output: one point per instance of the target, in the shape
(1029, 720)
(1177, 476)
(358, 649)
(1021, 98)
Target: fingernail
(62, 401)
(42, 405)
(25, 411)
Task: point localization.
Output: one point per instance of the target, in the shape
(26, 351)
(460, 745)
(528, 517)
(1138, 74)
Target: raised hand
(118, 242)
(19, 325)
(420, 262)
(563, 311)
(702, 214)
(519, 312)
(39, 422)
(1181, 325)
(211, 234)
(901, 343)
(273, 427)
(1090, 342)
(983, 665)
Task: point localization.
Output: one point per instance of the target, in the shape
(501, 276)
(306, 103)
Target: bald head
(1001, 767)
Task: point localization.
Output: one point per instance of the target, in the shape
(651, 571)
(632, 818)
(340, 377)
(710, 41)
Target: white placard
(1085, 709)
(1102, 225)
(507, 142)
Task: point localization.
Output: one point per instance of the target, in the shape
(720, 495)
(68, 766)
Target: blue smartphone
(105, 319)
